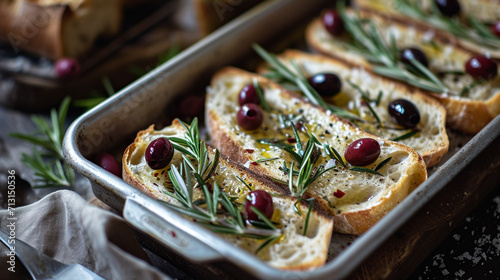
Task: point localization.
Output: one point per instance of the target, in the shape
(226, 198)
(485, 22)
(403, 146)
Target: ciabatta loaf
(292, 250)
(431, 142)
(58, 28)
(357, 200)
(468, 112)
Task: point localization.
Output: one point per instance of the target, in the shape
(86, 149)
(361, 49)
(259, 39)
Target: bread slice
(291, 251)
(366, 197)
(432, 140)
(391, 9)
(468, 113)
(58, 28)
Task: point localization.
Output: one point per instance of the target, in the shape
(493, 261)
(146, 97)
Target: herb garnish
(281, 72)
(225, 219)
(368, 43)
(372, 171)
(406, 135)
(366, 99)
(56, 172)
(476, 31)
(260, 94)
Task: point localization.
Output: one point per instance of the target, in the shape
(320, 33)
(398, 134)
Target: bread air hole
(312, 228)
(137, 155)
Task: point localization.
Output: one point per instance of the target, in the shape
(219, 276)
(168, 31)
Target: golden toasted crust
(463, 114)
(351, 222)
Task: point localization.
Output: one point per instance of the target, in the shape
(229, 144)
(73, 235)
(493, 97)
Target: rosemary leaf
(260, 94)
(363, 169)
(382, 164)
(308, 217)
(406, 135)
(266, 159)
(468, 88)
(244, 183)
(266, 243)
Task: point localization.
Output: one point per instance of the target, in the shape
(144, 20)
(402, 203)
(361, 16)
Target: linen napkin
(66, 227)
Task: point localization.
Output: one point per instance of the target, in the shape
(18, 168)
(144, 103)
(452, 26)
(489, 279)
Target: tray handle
(137, 214)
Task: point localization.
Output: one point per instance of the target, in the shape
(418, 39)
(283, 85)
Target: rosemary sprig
(368, 43)
(476, 31)
(193, 146)
(306, 158)
(281, 72)
(50, 168)
(221, 213)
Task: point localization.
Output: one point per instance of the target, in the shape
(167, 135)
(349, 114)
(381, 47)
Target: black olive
(326, 84)
(406, 54)
(448, 7)
(404, 112)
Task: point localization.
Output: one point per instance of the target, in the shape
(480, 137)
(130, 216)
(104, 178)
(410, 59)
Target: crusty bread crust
(287, 254)
(431, 143)
(351, 219)
(463, 114)
(57, 29)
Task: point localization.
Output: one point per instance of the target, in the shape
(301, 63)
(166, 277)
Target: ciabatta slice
(431, 142)
(357, 200)
(291, 251)
(467, 113)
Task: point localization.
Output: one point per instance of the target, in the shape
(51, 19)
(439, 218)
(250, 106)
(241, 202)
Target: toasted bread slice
(58, 28)
(357, 200)
(394, 10)
(467, 113)
(291, 251)
(431, 142)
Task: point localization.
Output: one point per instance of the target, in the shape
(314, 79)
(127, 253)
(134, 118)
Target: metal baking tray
(113, 125)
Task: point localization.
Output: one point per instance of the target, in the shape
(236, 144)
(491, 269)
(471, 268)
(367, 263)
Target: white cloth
(66, 227)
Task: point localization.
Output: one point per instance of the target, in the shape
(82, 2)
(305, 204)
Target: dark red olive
(481, 67)
(406, 54)
(333, 23)
(159, 153)
(67, 68)
(448, 7)
(260, 200)
(191, 107)
(250, 116)
(248, 94)
(495, 28)
(326, 84)
(108, 163)
(404, 112)
(362, 152)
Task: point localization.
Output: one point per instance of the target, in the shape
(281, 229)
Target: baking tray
(113, 125)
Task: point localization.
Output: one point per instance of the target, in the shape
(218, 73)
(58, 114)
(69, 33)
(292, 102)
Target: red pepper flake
(158, 179)
(156, 174)
(254, 163)
(155, 184)
(291, 140)
(339, 194)
(172, 233)
(250, 151)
